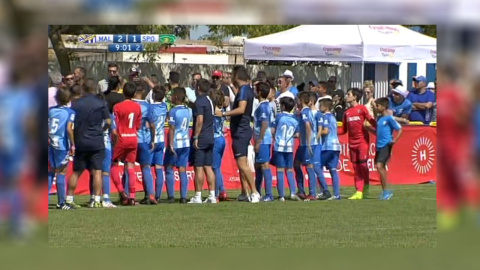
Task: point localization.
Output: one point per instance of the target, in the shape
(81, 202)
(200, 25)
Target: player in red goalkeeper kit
(358, 140)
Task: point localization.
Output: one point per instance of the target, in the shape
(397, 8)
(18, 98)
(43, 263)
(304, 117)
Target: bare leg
(242, 164)
(383, 175)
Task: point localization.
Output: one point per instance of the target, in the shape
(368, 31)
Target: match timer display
(126, 43)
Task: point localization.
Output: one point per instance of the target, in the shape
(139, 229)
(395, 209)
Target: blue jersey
(58, 119)
(264, 113)
(286, 126)
(218, 126)
(157, 116)
(385, 127)
(108, 133)
(143, 134)
(180, 117)
(318, 116)
(330, 141)
(307, 117)
(400, 109)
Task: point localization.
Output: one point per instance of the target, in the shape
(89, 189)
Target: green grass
(407, 220)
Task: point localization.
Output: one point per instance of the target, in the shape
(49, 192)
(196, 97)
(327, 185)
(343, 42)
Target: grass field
(407, 220)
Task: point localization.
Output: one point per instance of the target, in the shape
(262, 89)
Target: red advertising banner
(413, 161)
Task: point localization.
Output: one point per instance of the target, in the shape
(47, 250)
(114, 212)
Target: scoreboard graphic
(126, 43)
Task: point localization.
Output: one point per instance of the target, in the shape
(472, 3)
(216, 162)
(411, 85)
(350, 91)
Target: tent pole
(363, 74)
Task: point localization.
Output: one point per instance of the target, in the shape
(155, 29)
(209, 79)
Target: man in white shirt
(283, 89)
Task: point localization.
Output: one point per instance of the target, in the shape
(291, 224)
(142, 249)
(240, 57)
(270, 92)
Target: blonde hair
(369, 85)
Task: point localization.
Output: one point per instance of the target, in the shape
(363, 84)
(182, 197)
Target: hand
(173, 150)
(72, 150)
(394, 141)
(152, 146)
(257, 147)
(195, 144)
(310, 149)
(218, 112)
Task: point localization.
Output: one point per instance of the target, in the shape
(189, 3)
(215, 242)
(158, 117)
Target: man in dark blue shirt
(203, 117)
(91, 119)
(240, 128)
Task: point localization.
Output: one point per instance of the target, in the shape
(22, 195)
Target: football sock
(106, 186)
(97, 199)
(148, 179)
(212, 193)
(218, 181)
(183, 185)
(115, 176)
(281, 183)
(61, 191)
(125, 179)
(335, 182)
(198, 194)
(132, 177)
(300, 179)
(69, 198)
(170, 182)
(267, 173)
(291, 182)
(159, 183)
(51, 175)
(258, 180)
(312, 181)
(365, 172)
(358, 177)
(321, 178)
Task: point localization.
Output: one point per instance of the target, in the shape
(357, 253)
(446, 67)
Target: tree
(429, 30)
(64, 55)
(218, 33)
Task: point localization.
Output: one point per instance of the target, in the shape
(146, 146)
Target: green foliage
(429, 30)
(218, 33)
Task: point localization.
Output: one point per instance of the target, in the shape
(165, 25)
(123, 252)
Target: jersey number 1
(130, 120)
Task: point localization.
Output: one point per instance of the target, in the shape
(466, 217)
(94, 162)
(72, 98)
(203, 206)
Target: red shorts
(359, 153)
(124, 154)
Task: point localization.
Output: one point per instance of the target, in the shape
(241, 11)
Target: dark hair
(195, 74)
(304, 97)
(158, 93)
(262, 89)
(217, 96)
(113, 65)
(287, 104)
(323, 84)
(327, 103)
(83, 70)
(382, 101)
(313, 97)
(62, 96)
(180, 93)
(271, 83)
(357, 93)
(241, 73)
(154, 79)
(174, 77)
(203, 86)
(129, 90)
(77, 90)
(90, 86)
(113, 83)
(262, 76)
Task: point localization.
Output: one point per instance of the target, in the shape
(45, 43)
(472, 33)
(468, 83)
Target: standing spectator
(69, 81)
(241, 117)
(283, 89)
(261, 76)
(399, 106)
(191, 91)
(288, 76)
(91, 119)
(368, 100)
(393, 84)
(339, 105)
(431, 87)
(203, 141)
(112, 96)
(322, 90)
(112, 72)
(55, 82)
(79, 75)
(173, 82)
(227, 79)
(332, 86)
(217, 79)
(422, 101)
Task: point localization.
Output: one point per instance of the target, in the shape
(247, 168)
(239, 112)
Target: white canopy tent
(343, 43)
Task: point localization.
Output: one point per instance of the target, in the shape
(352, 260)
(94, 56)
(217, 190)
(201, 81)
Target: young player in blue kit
(156, 117)
(317, 161)
(386, 124)
(285, 130)
(263, 119)
(330, 148)
(107, 164)
(145, 147)
(305, 152)
(218, 99)
(60, 123)
(179, 119)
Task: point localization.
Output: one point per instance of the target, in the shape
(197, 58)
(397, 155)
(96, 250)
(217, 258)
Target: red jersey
(128, 118)
(353, 123)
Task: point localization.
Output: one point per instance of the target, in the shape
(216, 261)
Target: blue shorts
(107, 161)
(158, 153)
(178, 160)
(218, 149)
(144, 154)
(57, 158)
(264, 153)
(330, 158)
(304, 156)
(282, 159)
(317, 154)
